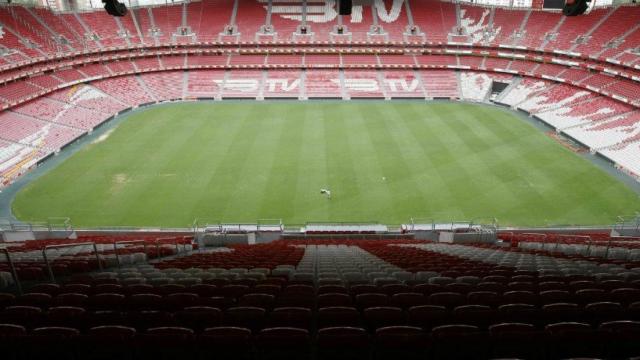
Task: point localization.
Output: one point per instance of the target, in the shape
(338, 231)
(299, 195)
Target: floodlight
(577, 7)
(115, 8)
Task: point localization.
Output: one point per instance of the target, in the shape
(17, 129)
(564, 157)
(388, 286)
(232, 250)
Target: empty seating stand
(334, 298)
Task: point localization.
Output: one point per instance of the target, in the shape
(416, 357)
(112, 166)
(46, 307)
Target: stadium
(322, 179)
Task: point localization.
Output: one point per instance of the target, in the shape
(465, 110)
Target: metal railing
(61, 246)
(14, 273)
(628, 223)
(12, 225)
(587, 240)
(418, 221)
(173, 240)
(199, 225)
(129, 242)
(269, 224)
(616, 242)
(491, 222)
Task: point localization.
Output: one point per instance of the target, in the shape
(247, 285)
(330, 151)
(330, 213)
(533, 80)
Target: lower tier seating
(48, 123)
(350, 299)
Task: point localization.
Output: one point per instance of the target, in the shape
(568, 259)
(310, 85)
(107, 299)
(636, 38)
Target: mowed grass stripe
(243, 161)
(428, 177)
(394, 151)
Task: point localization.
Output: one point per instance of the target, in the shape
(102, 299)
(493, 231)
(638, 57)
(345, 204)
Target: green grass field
(243, 161)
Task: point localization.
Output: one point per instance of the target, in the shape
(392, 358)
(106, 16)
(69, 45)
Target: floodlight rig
(578, 7)
(344, 7)
(115, 8)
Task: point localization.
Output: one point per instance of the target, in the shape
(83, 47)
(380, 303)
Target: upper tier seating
(167, 19)
(208, 20)
(620, 21)
(437, 20)
(475, 21)
(104, 26)
(595, 120)
(537, 27)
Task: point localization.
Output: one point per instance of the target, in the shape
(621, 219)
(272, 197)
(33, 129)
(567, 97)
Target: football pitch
(238, 162)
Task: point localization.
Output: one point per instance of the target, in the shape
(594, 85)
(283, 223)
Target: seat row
(304, 295)
(329, 295)
(542, 262)
(200, 314)
(506, 340)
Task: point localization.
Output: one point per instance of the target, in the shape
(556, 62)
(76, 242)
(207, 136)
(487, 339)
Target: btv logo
(324, 11)
(274, 85)
(242, 85)
(372, 85)
(251, 85)
(401, 85)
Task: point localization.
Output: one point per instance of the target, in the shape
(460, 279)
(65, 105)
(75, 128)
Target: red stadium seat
(146, 319)
(447, 340)
(179, 301)
(50, 289)
(586, 296)
(480, 316)
(6, 300)
(571, 340)
(226, 343)
(70, 299)
(620, 339)
(290, 317)
(378, 317)
(166, 343)
(66, 316)
(11, 340)
(142, 302)
(519, 313)
(283, 343)
(515, 340)
(411, 342)
(107, 301)
(427, 316)
(107, 342)
(561, 312)
(56, 342)
(40, 300)
(342, 343)
(407, 300)
(601, 312)
(338, 316)
(367, 300)
(245, 316)
(199, 318)
(447, 299)
(26, 316)
(520, 297)
(334, 299)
